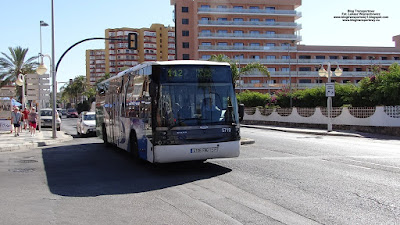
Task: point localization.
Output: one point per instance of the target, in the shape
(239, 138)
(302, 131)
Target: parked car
(86, 123)
(46, 118)
(72, 113)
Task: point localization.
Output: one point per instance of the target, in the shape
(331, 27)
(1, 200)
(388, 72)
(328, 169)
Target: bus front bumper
(192, 152)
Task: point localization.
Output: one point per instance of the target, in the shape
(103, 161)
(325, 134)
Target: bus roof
(168, 63)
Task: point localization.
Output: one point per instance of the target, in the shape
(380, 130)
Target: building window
(222, 31)
(345, 57)
(346, 69)
(222, 19)
(254, 44)
(206, 43)
(270, 32)
(205, 6)
(285, 57)
(358, 57)
(205, 57)
(270, 8)
(383, 58)
(305, 69)
(254, 7)
(185, 33)
(305, 81)
(222, 7)
(185, 44)
(238, 7)
(238, 44)
(205, 19)
(271, 57)
(185, 21)
(254, 32)
(358, 69)
(304, 57)
(396, 58)
(238, 19)
(270, 20)
(285, 69)
(206, 31)
(238, 32)
(333, 57)
(270, 45)
(320, 57)
(254, 20)
(185, 9)
(185, 56)
(271, 69)
(256, 57)
(222, 44)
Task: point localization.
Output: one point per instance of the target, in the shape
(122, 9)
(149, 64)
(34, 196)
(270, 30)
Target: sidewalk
(306, 130)
(9, 142)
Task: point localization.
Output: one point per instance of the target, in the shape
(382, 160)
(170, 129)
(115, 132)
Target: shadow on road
(93, 170)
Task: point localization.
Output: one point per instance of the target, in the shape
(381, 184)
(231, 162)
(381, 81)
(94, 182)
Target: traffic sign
(330, 89)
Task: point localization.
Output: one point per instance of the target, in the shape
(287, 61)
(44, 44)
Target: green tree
(14, 64)
(253, 67)
(224, 58)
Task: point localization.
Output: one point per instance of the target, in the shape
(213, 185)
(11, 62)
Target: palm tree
(224, 58)
(11, 66)
(256, 66)
(14, 64)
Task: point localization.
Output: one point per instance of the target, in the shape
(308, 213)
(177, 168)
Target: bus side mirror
(241, 112)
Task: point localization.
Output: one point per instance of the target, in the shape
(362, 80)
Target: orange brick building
(266, 31)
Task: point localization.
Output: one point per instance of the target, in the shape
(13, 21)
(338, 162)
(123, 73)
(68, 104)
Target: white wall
(378, 119)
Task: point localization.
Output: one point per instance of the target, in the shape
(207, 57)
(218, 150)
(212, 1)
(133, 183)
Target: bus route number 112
(175, 73)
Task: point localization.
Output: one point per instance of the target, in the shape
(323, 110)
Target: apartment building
(95, 65)
(266, 31)
(154, 43)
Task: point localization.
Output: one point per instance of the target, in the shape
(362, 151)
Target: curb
(37, 143)
(246, 141)
(300, 131)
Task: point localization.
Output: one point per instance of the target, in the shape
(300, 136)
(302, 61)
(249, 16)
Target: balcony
(256, 24)
(249, 36)
(253, 12)
(348, 62)
(245, 48)
(313, 74)
(313, 62)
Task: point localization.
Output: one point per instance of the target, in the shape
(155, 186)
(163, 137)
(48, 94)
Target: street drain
(22, 170)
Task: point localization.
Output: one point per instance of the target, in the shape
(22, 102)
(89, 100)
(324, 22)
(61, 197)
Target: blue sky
(79, 19)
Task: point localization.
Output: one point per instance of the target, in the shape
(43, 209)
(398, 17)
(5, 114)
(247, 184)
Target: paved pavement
(8, 142)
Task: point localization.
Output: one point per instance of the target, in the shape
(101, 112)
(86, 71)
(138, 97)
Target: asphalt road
(283, 178)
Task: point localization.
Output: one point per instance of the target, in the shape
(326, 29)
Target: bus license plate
(204, 150)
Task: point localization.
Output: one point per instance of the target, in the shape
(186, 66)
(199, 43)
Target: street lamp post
(21, 82)
(42, 70)
(42, 24)
(53, 71)
(323, 73)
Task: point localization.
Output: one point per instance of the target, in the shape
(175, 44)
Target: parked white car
(86, 123)
(46, 118)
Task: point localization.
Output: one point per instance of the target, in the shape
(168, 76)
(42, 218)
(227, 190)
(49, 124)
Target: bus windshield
(196, 95)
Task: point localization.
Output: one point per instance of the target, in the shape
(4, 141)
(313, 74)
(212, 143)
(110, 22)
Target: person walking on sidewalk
(16, 120)
(25, 113)
(32, 119)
